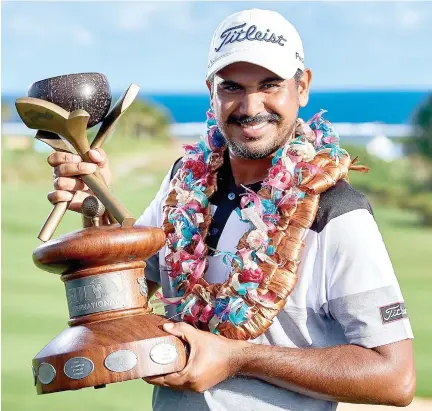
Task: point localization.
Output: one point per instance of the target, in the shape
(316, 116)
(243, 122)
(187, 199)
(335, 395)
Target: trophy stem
(107, 291)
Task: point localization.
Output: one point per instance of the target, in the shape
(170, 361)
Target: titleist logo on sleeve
(238, 33)
(393, 312)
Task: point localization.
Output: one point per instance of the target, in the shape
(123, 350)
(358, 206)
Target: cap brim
(283, 70)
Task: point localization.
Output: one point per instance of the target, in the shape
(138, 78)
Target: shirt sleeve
(363, 293)
(152, 216)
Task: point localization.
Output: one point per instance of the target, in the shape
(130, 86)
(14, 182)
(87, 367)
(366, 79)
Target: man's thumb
(97, 157)
(178, 329)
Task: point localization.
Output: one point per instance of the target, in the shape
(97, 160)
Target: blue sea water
(390, 107)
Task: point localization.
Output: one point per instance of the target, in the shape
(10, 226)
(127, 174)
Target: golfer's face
(256, 110)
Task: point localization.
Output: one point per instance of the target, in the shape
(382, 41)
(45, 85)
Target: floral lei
(264, 267)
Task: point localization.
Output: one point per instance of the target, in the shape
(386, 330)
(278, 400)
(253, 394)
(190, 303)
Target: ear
(210, 89)
(304, 87)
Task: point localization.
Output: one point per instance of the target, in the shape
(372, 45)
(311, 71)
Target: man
(343, 334)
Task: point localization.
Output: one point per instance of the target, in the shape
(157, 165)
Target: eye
(270, 86)
(231, 88)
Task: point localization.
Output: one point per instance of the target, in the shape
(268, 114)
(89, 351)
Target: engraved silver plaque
(163, 353)
(121, 361)
(95, 294)
(46, 373)
(34, 375)
(78, 368)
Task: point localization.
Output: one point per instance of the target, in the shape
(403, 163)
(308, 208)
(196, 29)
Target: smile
(254, 131)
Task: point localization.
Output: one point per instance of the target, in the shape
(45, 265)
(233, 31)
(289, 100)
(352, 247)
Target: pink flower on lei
(199, 168)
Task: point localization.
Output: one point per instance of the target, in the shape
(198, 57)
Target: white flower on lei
(306, 150)
(289, 165)
(183, 196)
(256, 239)
(248, 262)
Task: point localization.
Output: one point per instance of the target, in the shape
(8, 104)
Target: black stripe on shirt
(177, 165)
(336, 201)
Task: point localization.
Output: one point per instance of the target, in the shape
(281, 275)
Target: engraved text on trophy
(95, 294)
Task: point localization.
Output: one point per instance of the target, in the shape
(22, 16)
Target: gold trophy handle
(86, 157)
(121, 105)
(116, 209)
(58, 211)
(52, 221)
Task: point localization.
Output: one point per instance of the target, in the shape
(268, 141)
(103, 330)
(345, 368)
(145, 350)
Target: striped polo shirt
(347, 292)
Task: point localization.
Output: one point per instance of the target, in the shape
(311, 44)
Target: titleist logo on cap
(237, 33)
(393, 312)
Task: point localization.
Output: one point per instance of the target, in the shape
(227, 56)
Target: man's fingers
(99, 156)
(69, 184)
(180, 329)
(159, 380)
(174, 380)
(74, 169)
(72, 190)
(58, 196)
(177, 380)
(75, 199)
(59, 157)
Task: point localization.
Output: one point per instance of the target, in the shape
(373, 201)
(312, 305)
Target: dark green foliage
(421, 141)
(5, 112)
(404, 183)
(143, 120)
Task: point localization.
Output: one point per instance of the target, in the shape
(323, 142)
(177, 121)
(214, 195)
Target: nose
(251, 104)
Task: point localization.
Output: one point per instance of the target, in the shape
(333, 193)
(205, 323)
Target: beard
(243, 149)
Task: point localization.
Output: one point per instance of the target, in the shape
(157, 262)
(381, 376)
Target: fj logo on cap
(393, 312)
(237, 33)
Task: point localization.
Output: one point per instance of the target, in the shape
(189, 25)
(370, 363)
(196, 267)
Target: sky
(163, 46)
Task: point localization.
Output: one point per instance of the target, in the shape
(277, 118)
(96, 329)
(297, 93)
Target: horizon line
(8, 93)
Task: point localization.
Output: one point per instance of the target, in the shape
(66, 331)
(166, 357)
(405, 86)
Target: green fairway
(34, 305)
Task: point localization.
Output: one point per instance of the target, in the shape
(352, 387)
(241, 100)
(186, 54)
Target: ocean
(388, 107)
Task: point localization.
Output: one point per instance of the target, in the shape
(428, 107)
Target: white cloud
(137, 16)
(21, 26)
(83, 36)
(145, 16)
(404, 16)
(410, 17)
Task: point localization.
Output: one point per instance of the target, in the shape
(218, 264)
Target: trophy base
(105, 352)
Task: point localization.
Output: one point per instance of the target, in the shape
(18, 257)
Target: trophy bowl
(87, 91)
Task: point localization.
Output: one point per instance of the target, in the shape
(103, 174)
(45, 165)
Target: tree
(419, 147)
(144, 120)
(5, 112)
(421, 140)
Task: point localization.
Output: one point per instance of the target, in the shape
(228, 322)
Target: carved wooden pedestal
(112, 337)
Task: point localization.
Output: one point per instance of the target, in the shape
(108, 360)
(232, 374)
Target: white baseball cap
(260, 37)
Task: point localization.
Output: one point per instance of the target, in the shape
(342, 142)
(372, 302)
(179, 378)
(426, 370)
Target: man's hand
(212, 359)
(67, 186)
(345, 373)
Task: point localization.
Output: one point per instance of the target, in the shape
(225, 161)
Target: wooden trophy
(112, 335)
